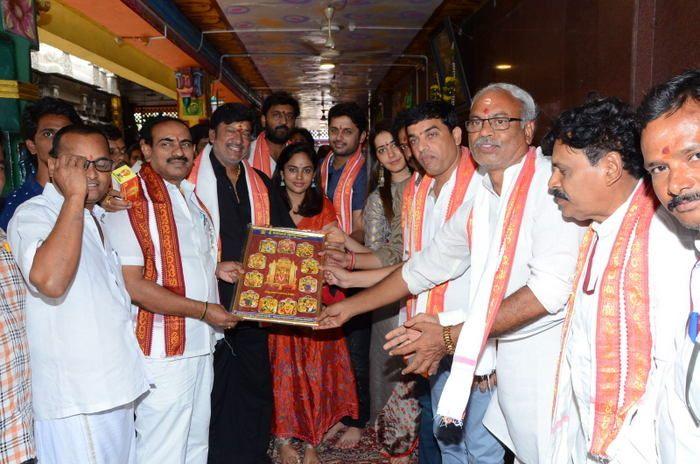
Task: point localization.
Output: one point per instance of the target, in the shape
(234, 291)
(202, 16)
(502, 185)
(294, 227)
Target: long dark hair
(312, 204)
(379, 171)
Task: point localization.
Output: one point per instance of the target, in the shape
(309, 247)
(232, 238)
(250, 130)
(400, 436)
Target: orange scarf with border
(260, 158)
(342, 197)
(413, 212)
(155, 193)
(624, 297)
(453, 402)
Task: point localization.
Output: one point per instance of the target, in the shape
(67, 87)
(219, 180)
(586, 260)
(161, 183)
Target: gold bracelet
(204, 313)
(447, 338)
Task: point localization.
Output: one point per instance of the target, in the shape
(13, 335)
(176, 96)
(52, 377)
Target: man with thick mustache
(670, 119)
(280, 111)
(86, 368)
(633, 248)
(168, 251)
(236, 195)
(520, 253)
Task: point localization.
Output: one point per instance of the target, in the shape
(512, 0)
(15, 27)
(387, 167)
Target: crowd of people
(485, 295)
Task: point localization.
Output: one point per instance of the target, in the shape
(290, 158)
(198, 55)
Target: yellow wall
(73, 33)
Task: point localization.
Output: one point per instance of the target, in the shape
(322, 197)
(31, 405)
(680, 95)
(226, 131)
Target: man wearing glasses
(40, 122)
(520, 254)
(86, 367)
(280, 111)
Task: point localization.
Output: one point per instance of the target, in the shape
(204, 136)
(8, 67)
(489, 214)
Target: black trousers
(358, 334)
(241, 398)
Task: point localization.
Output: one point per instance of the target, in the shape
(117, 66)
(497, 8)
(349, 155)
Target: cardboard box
(128, 183)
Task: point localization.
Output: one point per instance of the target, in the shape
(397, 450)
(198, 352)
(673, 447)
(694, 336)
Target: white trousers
(172, 419)
(106, 437)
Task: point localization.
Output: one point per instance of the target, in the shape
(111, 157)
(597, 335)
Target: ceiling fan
(329, 52)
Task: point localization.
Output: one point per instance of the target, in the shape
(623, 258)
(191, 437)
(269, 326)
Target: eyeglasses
(102, 164)
(499, 123)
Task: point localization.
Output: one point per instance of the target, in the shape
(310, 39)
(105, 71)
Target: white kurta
(83, 352)
(545, 258)
(456, 306)
(678, 434)
(198, 253)
(670, 258)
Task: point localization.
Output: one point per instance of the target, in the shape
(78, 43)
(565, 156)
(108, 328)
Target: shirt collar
(448, 185)
(55, 200)
(53, 196)
(613, 222)
(509, 175)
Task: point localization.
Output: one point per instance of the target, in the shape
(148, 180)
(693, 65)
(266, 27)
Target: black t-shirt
(234, 218)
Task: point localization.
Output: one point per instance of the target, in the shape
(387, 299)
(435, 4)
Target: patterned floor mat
(367, 452)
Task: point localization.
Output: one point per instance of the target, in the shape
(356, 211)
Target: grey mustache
(485, 141)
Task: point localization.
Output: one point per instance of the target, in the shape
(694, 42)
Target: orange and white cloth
(153, 222)
(417, 217)
(342, 197)
(618, 344)
(204, 179)
(260, 157)
(170, 233)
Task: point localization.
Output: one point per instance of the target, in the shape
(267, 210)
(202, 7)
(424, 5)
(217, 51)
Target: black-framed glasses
(498, 123)
(102, 164)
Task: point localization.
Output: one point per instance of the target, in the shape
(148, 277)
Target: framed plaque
(282, 278)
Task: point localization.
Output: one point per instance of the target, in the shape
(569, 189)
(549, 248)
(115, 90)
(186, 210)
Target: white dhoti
(172, 419)
(106, 437)
(520, 412)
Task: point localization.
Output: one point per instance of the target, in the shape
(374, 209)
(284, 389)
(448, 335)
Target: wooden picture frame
(282, 279)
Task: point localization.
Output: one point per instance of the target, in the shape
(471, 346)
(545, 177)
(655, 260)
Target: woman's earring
(282, 182)
(313, 183)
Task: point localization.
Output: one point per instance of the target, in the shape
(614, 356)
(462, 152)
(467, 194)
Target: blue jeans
(428, 450)
(477, 446)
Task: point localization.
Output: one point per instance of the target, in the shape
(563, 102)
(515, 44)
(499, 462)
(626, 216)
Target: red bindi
(666, 150)
(486, 111)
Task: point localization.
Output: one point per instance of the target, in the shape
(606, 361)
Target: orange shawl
(342, 197)
(154, 193)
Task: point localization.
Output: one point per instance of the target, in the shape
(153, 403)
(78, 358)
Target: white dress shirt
(678, 434)
(198, 252)
(671, 256)
(545, 258)
(455, 305)
(83, 352)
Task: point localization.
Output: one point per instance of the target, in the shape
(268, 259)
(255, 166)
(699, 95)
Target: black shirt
(234, 218)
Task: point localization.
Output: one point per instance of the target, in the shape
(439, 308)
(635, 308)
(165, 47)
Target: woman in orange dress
(313, 384)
